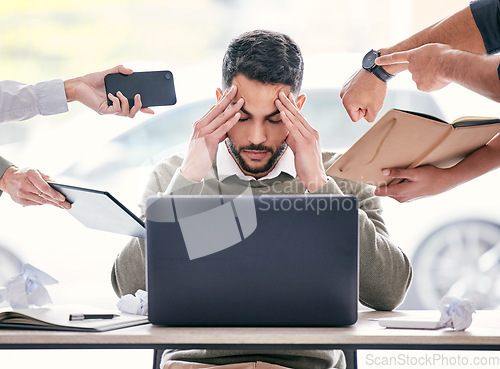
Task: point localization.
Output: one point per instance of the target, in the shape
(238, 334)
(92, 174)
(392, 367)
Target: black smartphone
(156, 88)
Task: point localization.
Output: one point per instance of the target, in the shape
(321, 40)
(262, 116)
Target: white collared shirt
(227, 166)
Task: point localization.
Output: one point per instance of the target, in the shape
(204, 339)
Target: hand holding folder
(402, 139)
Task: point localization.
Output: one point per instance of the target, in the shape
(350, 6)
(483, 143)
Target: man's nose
(257, 133)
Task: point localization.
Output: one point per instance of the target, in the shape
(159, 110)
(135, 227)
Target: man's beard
(276, 155)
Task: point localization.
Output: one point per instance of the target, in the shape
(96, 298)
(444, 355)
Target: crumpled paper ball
(456, 313)
(134, 304)
(27, 289)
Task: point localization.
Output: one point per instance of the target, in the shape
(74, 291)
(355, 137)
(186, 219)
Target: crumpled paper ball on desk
(27, 289)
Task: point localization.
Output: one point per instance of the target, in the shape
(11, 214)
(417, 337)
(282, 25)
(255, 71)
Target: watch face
(369, 59)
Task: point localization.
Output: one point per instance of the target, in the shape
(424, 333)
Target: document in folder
(100, 210)
(403, 139)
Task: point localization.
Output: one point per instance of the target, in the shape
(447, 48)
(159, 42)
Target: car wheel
(460, 259)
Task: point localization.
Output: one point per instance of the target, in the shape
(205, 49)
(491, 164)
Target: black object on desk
(91, 316)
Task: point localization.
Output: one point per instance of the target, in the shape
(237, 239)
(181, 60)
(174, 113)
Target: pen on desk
(91, 316)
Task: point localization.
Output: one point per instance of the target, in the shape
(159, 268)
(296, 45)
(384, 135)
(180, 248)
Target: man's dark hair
(266, 57)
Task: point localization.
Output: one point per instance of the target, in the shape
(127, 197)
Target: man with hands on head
(256, 137)
(452, 50)
(18, 101)
(262, 146)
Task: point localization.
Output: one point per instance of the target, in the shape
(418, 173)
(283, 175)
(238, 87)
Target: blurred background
(452, 239)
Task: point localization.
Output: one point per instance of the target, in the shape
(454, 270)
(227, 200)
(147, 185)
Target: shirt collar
(226, 165)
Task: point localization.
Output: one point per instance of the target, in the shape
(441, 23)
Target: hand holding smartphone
(156, 88)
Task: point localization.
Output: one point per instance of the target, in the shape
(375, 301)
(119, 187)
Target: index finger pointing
(394, 58)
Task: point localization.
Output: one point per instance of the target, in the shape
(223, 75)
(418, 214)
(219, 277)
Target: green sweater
(384, 270)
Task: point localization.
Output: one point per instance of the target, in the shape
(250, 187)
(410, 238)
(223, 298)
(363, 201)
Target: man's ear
(218, 94)
(300, 101)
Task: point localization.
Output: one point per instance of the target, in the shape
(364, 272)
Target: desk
(484, 334)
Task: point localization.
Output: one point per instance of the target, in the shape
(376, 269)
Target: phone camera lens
(168, 75)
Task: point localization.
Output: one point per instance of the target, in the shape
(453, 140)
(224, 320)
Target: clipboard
(100, 210)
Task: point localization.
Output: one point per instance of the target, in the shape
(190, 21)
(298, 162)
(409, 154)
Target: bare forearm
(478, 73)
(458, 30)
(363, 94)
(476, 164)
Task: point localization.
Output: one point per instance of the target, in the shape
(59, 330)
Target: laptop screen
(272, 260)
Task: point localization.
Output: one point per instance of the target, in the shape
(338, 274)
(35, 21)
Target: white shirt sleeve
(19, 101)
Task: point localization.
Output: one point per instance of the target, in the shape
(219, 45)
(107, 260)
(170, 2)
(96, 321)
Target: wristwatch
(377, 70)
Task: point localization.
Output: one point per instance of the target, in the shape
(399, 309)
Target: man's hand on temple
(208, 132)
(304, 142)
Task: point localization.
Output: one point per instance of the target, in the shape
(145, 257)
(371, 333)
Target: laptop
(272, 260)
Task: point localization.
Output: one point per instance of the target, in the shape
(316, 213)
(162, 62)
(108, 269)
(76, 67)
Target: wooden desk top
(484, 331)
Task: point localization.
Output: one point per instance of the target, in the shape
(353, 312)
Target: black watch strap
(381, 73)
